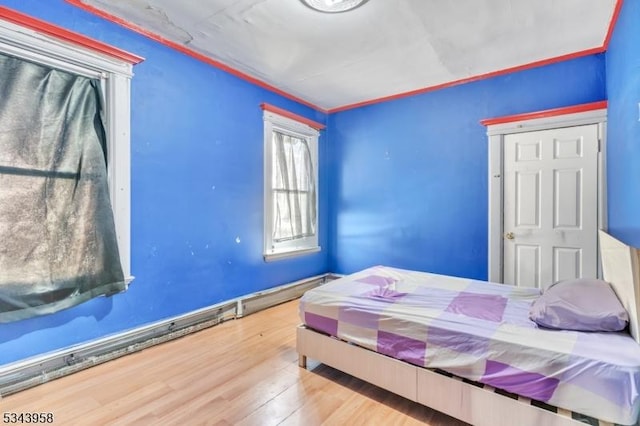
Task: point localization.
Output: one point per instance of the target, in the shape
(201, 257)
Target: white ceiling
(383, 48)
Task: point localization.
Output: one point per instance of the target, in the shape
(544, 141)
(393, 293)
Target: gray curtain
(58, 244)
(294, 188)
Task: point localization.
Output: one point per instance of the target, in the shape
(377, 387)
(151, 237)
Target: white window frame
(280, 250)
(115, 75)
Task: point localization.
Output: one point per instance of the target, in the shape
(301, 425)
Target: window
(27, 38)
(291, 176)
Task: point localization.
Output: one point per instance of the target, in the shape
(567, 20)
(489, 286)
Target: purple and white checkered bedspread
(480, 331)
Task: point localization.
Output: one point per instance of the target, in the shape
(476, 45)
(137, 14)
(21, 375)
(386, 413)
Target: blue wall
(623, 125)
(409, 177)
(197, 185)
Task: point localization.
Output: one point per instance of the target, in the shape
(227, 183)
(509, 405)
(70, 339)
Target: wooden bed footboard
(480, 406)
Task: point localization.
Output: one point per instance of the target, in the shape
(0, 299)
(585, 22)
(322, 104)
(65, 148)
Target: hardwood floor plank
(242, 372)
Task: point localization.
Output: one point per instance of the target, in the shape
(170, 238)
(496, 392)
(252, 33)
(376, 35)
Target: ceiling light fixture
(333, 6)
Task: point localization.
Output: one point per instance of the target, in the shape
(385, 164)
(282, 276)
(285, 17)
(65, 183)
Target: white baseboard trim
(34, 371)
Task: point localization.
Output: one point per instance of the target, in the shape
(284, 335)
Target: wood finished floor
(242, 372)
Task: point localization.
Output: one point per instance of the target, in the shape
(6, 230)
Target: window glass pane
(306, 225)
(283, 227)
(291, 223)
(293, 188)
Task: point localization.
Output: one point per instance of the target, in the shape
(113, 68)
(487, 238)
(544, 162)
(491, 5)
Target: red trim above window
(546, 113)
(60, 33)
(288, 114)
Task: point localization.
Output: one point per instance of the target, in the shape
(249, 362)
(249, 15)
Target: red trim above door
(291, 115)
(546, 113)
(60, 33)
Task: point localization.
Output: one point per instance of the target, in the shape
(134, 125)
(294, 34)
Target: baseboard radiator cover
(21, 375)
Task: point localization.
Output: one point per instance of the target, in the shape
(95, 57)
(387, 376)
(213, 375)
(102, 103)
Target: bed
(467, 348)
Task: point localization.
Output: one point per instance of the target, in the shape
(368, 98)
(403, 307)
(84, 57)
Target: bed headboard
(620, 267)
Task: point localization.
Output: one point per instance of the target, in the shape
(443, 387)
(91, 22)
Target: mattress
(480, 331)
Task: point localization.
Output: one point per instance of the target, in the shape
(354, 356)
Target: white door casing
(550, 200)
(498, 129)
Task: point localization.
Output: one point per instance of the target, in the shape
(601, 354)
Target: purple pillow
(584, 304)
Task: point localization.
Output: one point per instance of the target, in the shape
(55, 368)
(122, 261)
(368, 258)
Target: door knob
(509, 236)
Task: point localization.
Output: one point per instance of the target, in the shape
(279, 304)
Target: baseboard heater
(34, 371)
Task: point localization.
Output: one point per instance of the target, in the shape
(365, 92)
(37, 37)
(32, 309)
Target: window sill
(270, 257)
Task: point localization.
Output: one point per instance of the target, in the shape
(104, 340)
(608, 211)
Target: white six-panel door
(550, 205)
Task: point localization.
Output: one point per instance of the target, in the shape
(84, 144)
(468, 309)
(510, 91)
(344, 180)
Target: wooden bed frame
(470, 402)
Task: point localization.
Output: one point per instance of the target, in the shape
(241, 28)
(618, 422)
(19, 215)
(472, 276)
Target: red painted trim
(546, 113)
(472, 79)
(291, 115)
(60, 33)
(189, 52)
(612, 24)
(220, 65)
